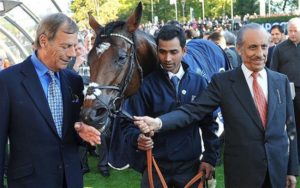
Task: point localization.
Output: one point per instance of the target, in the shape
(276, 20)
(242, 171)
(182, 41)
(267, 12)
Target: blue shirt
(41, 70)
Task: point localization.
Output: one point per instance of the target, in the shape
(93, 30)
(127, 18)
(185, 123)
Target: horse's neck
(146, 52)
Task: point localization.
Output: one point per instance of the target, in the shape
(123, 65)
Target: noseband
(93, 91)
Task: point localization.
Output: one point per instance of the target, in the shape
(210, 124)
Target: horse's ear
(94, 24)
(133, 21)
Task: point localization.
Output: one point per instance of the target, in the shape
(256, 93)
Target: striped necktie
(260, 100)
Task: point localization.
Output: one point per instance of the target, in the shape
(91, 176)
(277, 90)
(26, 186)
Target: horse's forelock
(108, 29)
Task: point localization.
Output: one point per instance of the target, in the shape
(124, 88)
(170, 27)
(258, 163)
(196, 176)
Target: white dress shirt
(262, 80)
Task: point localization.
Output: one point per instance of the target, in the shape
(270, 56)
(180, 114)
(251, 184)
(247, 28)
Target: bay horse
(122, 54)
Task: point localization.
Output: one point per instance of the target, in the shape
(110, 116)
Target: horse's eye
(122, 57)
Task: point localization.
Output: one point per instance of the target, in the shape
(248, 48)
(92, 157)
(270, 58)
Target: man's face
(254, 50)
(60, 50)
(294, 33)
(170, 54)
(277, 36)
(80, 49)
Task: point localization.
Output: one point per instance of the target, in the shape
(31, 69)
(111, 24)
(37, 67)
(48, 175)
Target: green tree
(242, 7)
(103, 10)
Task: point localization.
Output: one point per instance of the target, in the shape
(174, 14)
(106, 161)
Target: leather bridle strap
(150, 160)
(198, 176)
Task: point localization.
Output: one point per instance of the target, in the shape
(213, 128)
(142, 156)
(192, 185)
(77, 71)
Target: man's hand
(208, 169)
(144, 142)
(147, 124)
(88, 133)
(291, 181)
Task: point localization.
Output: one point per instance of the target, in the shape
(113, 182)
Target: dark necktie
(175, 82)
(260, 100)
(55, 102)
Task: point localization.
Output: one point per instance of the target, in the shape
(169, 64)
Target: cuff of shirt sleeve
(158, 120)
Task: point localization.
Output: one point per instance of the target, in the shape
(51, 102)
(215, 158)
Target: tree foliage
(242, 7)
(108, 10)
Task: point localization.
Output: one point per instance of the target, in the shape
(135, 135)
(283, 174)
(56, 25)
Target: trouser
(103, 150)
(6, 159)
(297, 118)
(176, 173)
(83, 157)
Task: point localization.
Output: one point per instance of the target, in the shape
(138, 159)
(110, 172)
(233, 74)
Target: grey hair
(229, 37)
(295, 21)
(241, 32)
(50, 25)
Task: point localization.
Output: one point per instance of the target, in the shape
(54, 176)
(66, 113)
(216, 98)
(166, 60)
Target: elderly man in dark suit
(39, 105)
(261, 141)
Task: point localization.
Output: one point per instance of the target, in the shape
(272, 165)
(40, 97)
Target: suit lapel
(273, 93)
(34, 89)
(242, 92)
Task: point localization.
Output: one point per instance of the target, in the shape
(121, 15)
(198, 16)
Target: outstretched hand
(147, 125)
(88, 133)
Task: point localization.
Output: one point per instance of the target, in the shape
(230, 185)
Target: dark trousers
(176, 174)
(103, 150)
(297, 118)
(267, 182)
(83, 153)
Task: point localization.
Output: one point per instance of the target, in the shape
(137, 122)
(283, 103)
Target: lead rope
(150, 161)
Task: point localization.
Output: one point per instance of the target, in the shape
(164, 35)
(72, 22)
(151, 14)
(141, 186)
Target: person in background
(231, 44)
(285, 60)
(177, 152)
(261, 141)
(277, 36)
(40, 102)
(219, 39)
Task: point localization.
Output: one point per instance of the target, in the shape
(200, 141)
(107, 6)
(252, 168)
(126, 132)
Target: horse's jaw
(90, 118)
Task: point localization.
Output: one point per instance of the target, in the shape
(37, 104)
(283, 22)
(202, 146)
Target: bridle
(93, 91)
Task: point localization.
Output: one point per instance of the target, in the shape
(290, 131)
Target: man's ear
(43, 39)
(238, 49)
(184, 50)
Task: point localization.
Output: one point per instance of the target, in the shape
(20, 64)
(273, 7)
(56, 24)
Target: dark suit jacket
(249, 149)
(270, 53)
(38, 157)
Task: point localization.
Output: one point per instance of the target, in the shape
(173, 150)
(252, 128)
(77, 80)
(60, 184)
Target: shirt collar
(40, 67)
(179, 74)
(247, 72)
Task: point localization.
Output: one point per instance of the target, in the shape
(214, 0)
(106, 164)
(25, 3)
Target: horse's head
(114, 68)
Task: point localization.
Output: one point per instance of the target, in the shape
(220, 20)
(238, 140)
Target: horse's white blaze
(96, 92)
(102, 48)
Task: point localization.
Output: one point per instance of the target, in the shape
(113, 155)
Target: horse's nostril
(100, 112)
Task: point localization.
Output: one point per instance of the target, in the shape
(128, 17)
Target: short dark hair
(280, 29)
(169, 32)
(215, 36)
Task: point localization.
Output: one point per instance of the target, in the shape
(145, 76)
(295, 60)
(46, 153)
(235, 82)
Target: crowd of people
(40, 107)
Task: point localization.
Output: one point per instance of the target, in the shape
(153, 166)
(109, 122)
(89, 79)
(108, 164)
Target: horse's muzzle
(98, 118)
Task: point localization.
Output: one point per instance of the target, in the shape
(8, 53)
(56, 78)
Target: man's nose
(168, 57)
(71, 52)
